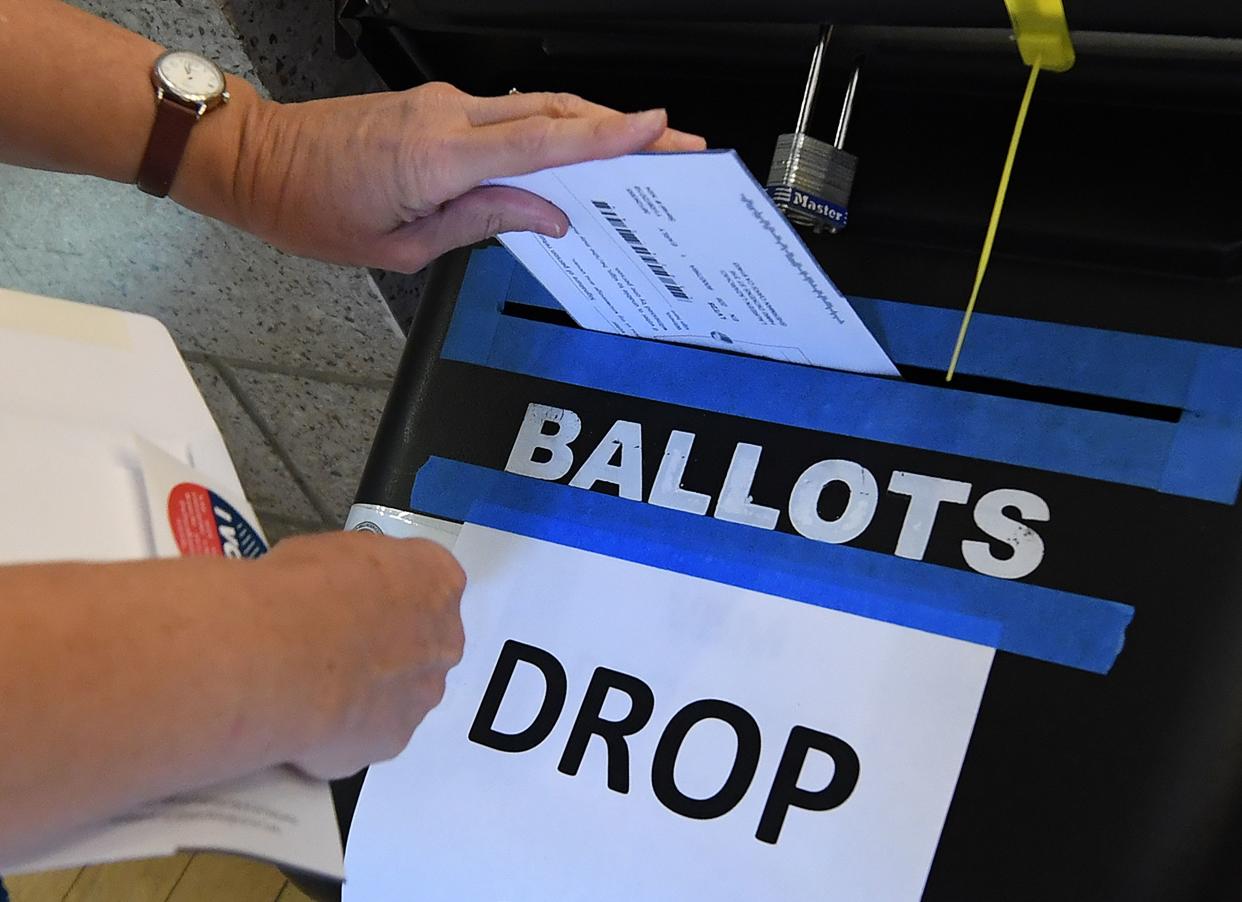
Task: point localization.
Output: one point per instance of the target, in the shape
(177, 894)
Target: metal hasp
(810, 180)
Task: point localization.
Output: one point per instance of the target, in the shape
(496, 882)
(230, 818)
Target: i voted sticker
(205, 525)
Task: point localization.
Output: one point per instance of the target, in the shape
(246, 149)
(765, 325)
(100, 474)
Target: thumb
(478, 214)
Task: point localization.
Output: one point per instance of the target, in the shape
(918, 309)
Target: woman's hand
(393, 180)
(149, 678)
(389, 180)
(372, 632)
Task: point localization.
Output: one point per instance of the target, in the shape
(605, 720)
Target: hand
(392, 180)
(372, 634)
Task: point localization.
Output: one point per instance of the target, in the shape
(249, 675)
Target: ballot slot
(965, 383)
(1044, 395)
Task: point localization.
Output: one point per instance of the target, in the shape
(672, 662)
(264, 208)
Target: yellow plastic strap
(1042, 33)
(995, 220)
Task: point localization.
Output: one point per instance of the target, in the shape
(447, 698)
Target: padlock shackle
(847, 107)
(812, 80)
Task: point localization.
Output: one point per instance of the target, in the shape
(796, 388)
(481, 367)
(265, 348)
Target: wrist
(217, 165)
(305, 600)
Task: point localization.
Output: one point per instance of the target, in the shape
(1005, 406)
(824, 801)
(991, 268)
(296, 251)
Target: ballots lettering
(783, 793)
(544, 449)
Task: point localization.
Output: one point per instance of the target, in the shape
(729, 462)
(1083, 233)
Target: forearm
(76, 96)
(127, 682)
(390, 180)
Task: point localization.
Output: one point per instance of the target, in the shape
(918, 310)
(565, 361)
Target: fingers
(511, 135)
(491, 110)
(376, 624)
(674, 140)
(539, 142)
(476, 215)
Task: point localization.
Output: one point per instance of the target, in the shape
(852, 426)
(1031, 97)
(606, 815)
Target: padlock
(810, 180)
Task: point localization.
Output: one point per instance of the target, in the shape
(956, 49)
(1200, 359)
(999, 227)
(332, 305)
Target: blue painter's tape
(1123, 449)
(1020, 350)
(526, 289)
(1054, 355)
(1208, 445)
(1061, 627)
(487, 276)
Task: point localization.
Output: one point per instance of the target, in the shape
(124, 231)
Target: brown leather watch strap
(166, 146)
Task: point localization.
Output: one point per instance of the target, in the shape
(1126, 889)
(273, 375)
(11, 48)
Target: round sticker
(205, 525)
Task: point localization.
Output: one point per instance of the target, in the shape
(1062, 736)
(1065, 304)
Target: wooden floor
(200, 877)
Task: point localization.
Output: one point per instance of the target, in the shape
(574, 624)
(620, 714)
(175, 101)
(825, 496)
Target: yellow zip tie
(995, 220)
(1042, 33)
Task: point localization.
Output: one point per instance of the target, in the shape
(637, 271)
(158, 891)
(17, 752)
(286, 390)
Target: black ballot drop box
(1092, 438)
(1125, 462)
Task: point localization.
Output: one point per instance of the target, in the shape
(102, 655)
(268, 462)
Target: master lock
(810, 180)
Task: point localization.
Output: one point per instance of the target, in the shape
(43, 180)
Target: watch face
(190, 77)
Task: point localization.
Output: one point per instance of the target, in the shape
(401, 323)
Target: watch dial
(190, 75)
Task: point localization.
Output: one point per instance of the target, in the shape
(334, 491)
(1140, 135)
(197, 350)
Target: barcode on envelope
(653, 263)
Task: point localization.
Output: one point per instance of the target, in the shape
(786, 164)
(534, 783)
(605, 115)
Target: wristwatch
(187, 87)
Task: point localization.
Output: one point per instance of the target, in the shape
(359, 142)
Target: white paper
(687, 247)
(455, 819)
(69, 490)
(116, 371)
(277, 815)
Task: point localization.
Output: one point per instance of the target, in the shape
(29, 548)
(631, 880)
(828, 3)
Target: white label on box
(732, 745)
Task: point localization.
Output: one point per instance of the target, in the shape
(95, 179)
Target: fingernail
(648, 118)
(688, 137)
(551, 228)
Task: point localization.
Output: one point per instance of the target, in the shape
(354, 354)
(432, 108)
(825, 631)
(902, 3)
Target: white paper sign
(457, 818)
(687, 247)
